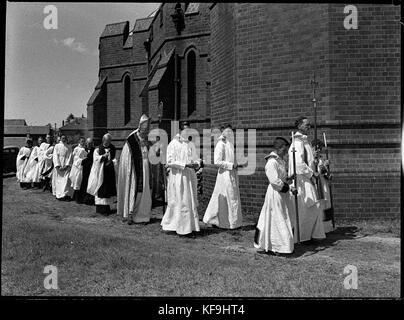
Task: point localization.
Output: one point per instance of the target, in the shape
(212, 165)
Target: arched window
(126, 84)
(191, 77)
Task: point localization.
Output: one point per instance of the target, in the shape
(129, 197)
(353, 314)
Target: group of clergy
(57, 168)
(89, 174)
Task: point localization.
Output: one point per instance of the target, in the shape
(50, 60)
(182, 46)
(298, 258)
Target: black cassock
(83, 196)
(108, 186)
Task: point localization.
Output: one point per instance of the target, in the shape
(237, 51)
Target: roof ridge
(111, 24)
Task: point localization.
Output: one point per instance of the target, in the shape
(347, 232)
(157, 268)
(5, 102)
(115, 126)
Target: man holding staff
(309, 210)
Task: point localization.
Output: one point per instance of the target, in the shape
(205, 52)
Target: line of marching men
(92, 176)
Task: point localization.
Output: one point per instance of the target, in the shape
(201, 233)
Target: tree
(70, 117)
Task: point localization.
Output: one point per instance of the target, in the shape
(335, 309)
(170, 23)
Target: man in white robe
(134, 195)
(46, 162)
(76, 172)
(62, 161)
(32, 169)
(274, 231)
(181, 214)
(224, 208)
(21, 163)
(309, 207)
(102, 179)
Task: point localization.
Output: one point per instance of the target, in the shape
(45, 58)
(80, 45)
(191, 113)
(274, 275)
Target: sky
(52, 73)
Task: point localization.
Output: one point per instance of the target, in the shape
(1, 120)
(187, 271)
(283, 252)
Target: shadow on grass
(332, 239)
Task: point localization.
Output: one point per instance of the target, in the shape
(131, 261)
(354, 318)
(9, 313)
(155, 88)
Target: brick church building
(251, 65)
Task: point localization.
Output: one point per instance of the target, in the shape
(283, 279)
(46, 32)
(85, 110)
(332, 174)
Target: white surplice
(47, 158)
(224, 208)
(96, 178)
(43, 148)
(181, 214)
(21, 163)
(76, 173)
(275, 223)
(63, 158)
(31, 171)
(309, 207)
(139, 208)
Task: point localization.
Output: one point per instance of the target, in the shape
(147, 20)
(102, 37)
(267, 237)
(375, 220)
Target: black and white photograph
(202, 150)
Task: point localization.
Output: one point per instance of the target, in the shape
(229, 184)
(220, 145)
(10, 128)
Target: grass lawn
(101, 256)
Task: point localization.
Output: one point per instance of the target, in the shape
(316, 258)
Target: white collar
(273, 154)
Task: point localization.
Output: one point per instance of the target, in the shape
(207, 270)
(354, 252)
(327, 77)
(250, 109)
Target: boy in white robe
(76, 173)
(134, 195)
(274, 231)
(32, 169)
(102, 179)
(224, 208)
(21, 163)
(181, 214)
(62, 161)
(309, 207)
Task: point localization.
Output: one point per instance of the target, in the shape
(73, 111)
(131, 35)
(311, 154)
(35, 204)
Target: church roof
(142, 24)
(114, 29)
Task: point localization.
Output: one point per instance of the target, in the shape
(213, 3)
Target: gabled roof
(143, 24)
(114, 29)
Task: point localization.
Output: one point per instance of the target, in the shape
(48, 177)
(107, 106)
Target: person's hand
(293, 190)
(327, 162)
(316, 174)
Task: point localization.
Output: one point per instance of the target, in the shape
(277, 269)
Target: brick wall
(364, 104)
(262, 80)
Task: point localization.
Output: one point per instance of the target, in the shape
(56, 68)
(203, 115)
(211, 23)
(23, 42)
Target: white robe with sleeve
(62, 156)
(41, 158)
(96, 178)
(274, 228)
(21, 163)
(310, 211)
(46, 159)
(31, 171)
(76, 173)
(181, 214)
(224, 208)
